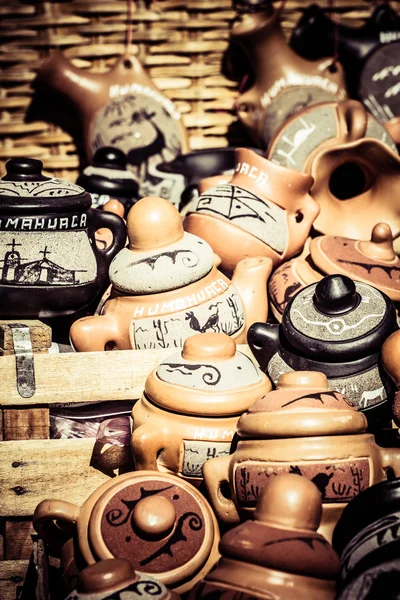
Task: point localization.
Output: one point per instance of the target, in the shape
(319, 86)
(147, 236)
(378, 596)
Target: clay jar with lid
(304, 428)
(41, 219)
(116, 579)
(278, 554)
(373, 262)
(166, 287)
(366, 538)
(191, 404)
(336, 326)
(354, 164)
(158, 522)
(264, 210)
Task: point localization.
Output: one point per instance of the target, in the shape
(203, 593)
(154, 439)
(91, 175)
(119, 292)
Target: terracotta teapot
(305, 428)
(283, 82)
(367, 541)
(191, 404)
(158, 522)
(116, 579)
(264, 210)
(41, 219)
(374, 262)
(354, 164)
(336, 326)
(278, 554)
(109, 179)
(166, 288)
(121, 108)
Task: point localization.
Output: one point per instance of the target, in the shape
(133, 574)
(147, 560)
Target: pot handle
(215, 473)
(391, 459)
(146, 444)
(49, 511)
(99, 219)
(91, 334)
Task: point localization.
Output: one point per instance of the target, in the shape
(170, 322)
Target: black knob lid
(252, 6)
(110, 158)
(335, 295)
(24, 169)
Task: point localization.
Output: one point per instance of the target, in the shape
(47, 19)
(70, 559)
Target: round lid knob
(24, 169)
(110, 158)
(290, 501)
(209, 346)
(155, 516)
(105, 575)
(303, 379)
(335, 295)
(153, 223)
(380, 247)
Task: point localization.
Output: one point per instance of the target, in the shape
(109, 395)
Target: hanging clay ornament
(278, 555)
(121, 108)
(370, 55)
(283, 82)
(264, 210)
(354, 164)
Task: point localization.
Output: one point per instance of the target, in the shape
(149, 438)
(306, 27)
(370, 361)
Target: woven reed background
(180, 43)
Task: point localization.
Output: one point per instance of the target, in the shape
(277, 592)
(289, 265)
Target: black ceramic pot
(50, 264)
(336, 326)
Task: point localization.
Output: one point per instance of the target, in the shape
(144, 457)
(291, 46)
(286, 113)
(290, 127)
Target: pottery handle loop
(146, 445)
(99, 219)
(353, 119)
(92, 334)
(215, 473)
(391, 459)
(49, 511)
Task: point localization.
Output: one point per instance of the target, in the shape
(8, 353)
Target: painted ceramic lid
(102, 580)
(24, 180)
(161, 524)
(209, 376)
(301, 406)
(161, 256)
(338, 318)
(374, 262)
(109, 175)
(283, 533)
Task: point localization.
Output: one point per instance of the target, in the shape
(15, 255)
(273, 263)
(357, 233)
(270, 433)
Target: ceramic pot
(374, 262)
(354, 164)
(121, 108)
(283, 82)
(158, 522)
(166, 288)
(279, 551)
(115, 579)
(336, 326)
(301, 428)
(391, 364)
(264, 210)
(366, 537)
(41, 219)
(191, 404)
(109, 179)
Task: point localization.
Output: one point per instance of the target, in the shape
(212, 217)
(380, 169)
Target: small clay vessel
(278, 554)
(166, 288)
(116, 579)
(264, 210)
(374, 262)
(158, 522)
(336, 326)
(41, 219)
(109, 179)
(305, 428)
(283, 82)
(366, 538)
(191, 404)
(354, 164)
(121, 108)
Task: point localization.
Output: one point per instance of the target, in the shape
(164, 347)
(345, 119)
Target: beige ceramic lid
(374, 262)
(302, 406)
(160, 256)
(283, 534)
(209, 376)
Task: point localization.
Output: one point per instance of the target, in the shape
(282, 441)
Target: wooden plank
(33, 470)
(26, 424)
(84, 376)
(12, 575)
(40, 335)
(17, 539)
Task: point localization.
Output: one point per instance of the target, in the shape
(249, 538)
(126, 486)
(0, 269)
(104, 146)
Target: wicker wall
(181, 44)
